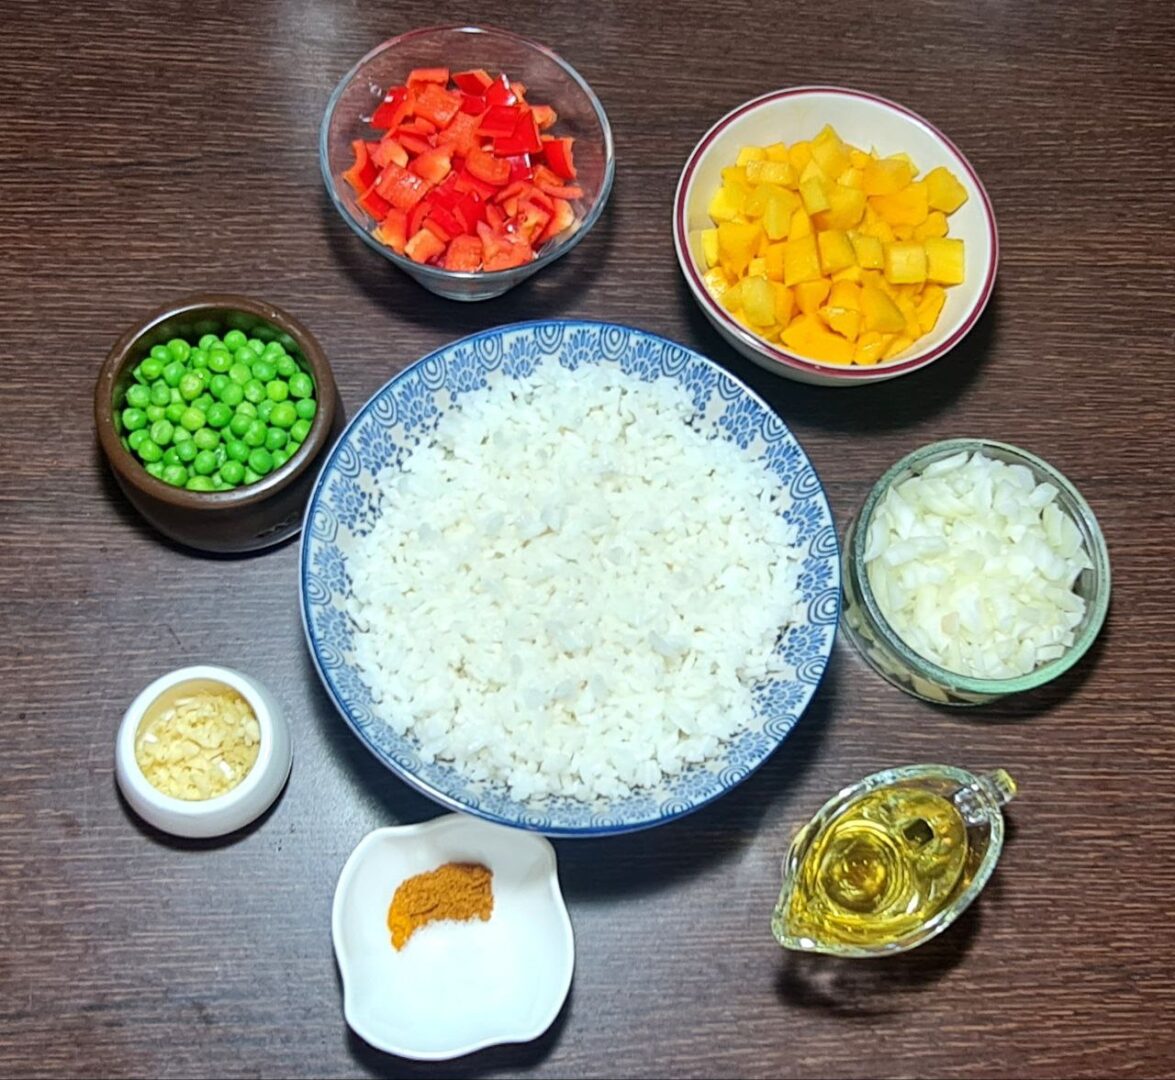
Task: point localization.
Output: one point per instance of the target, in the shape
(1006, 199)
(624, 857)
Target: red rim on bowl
(788, 359)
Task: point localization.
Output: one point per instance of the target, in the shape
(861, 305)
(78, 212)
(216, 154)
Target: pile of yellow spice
(838, 254)
(201, 746)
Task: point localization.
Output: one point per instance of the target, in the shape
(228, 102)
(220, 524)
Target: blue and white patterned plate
(405, 412)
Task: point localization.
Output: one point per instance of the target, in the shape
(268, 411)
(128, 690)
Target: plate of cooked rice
(569, 576)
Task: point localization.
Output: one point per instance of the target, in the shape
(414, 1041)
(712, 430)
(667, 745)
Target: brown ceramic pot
(252, 516)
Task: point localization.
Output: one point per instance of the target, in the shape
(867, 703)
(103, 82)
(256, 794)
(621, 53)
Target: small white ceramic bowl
(225, 813)
(864, 120)
(454, 987)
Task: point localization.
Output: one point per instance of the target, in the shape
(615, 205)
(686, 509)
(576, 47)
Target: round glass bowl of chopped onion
(202, 751)
(973, 570)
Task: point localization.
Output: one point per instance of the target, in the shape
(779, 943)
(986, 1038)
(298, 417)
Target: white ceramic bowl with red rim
(866, 121)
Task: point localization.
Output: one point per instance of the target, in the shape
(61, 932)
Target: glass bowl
(896, 661)
(550, 80)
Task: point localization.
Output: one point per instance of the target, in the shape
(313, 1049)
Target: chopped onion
(973, 564)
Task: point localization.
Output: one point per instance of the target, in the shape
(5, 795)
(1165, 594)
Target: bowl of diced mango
(834, 237)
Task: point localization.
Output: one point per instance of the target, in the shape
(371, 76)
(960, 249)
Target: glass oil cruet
(890, 862)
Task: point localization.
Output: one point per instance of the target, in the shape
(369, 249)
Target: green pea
(155, 468)
(173, 372)
(206, 438)
(265, 410)
(193, 418)
(217, 384)
(306, 408)
(179, 348)
(239, 424)
(277, 390)
(149, 451)
(283, 415)
(191, 386)
(240, 373)
(174, 412)
(232, 472)
(248, 408)
(219, 414)
(275, 438)
(232, 395)
(136, 438)
(138, 397)
(221, 454)
(254, 434)
(256, 344)
(234, 339)
(219, 360)
(171, 456)
(237, 450)
(155, 412)
(207, 341)
(180, 434)
(261, 461)
(273, 349)
(198, 360)
(133, 419)
(251, 477)
(204, 402)
(264, 369)
(200, 483)
(137, 375)
(174, 474)
(286, 366)
(161, 353)
(152, 368)
(187, 450)
(280, 457)
(255, 391)
(173, 394)
(162, 431)
(159, 394)
(204, 463)
(301, 385)
(300, 430)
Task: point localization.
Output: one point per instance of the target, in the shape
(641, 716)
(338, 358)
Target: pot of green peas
(213, 413)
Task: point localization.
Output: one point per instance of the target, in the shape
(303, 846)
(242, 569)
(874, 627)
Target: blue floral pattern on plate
(344, 505)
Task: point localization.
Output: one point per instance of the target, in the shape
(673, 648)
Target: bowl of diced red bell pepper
(469, 157)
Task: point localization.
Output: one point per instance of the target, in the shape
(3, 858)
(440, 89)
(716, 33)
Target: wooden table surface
(148, 150)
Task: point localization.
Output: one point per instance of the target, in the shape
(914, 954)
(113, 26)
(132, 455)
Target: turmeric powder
(458, 891)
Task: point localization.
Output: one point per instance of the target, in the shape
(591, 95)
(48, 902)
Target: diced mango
(807, 336)
(757, 266)
(858, 158)
(868, 251)
(801, 224)
(879, 312)
(784, 303)
(849, 273)
(836, 252)
(799, 154)
(909, 312)
(732, 299)
(830, 153)
(773, 258)
(845, 208)
(710, 246)
(736, 245)
(845, 294)
(934, 225)
(852, 177)
(905, 207)
(880, 231)
(735, 176)
(758, 300)
(930, 306)
(770, 172)
(716, 281)
(814, 193)
(777, 214)
(943, 191)
(725, 205)
(751, 153)
(905, 263)
(845, 321)
(777, 152)
(886, 176)
(811, 294)
(897, 346)
(903, 232)
(870, 346)
(801, 262)
(944, 260)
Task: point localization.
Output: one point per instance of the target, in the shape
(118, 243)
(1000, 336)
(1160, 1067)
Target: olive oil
(890, 861)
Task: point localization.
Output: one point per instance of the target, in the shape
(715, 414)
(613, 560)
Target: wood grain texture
(151, 149)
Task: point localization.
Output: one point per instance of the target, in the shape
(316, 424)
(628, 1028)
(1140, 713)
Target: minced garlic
(202, 746)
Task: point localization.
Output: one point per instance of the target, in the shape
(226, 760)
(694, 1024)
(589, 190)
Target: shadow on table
(873, 987)
(549, 293)
(513, 1058)
(882, 406)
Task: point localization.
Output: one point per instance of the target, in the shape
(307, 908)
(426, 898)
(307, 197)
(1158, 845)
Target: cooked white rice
(570, 590)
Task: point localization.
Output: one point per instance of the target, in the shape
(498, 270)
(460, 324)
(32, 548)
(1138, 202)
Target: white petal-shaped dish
(454, 987)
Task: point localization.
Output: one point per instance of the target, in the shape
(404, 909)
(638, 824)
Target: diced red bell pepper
(494, 217)
(532, 220)
(509, 256)
(499, 120)
(361, 175)
(444, 223)
(388, 150)
(474, 82)
(393, 230)
(487, 168)
(544, 116)
(550, 182)
(499, 93)
(470, 209)
(541, 198)
(557, 154)
(400, 187)
(445, 193)
(520, 167)
(428, 75)
(464, 254)
(461, 134)
(524, 139)
(512, 191)
(395, 107)
(519, 90)
(413, 142)
(374, 203)
(417, 215)
(433, 165)
(419, 125)
(475, 106)
(437, 105)
(424, 246)
(562, 218)
(466, 181)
